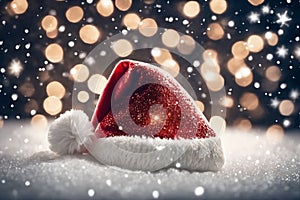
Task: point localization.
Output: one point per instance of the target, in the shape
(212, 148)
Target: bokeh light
(215, 31)
(89, 34)
(275, 133)
(171, 66)
(123, 5)
(148, 27)
(273, 73)
(218, 6)
(19, 6)
(201, 105)
(83, 96)
(240, 50)
(161, 55)
(131, 21)
(234, 64)
(286, 107)
(55, 88)
(74, 14)
(186, 44)
(170, 38)
(96, 83)
(191, 9)
(243, 124)
(244, 76)
(256, 2)
(249, 101)
(52, 105)
(27, 89)
(39, 122)
(272, 38)
(255, 43)
(80, 73)
(105, 7)
(122, 47)
(54, 53)
(49, 23)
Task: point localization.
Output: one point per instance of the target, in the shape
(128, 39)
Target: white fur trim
(65, 132)
(151, 154)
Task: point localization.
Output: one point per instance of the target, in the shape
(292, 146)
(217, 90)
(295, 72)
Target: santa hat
(144, 120)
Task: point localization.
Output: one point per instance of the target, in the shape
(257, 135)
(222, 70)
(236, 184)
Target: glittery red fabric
(140, 99)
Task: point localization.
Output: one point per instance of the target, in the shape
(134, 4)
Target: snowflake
(275, 102)
(282, 51)
(254, 17)
(283, 19)
(15, 68)
(265, 9)
(294, 94)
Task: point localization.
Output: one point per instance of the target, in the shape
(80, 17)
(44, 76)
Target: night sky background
(22, 39)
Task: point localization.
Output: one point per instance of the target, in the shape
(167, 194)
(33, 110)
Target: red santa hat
(144, 120)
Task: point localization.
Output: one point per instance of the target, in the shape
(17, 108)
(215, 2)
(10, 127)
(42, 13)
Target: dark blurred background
(268, 97)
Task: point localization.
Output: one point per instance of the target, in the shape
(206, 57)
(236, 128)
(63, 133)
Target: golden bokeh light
(105, 7)
(170, 38)
(218, 6)
(215, 84)
(80, 73)
(171, 66)
(83, 96)
(52, 105)
(39, 122)
(215, 31)
(234, 64)
(273, 73)
(286, 107)
(227, 101)
(256, 2)
(191, 9)
(49, 23)
(249, 101)
(123, 5)
(161, 55)
(186, 45)
(96, 83)
(255, 43)
(74, 14)
(122, 47)
(243, 125)
(272, 38)
(54, 53)
(148, 27)
(209, 67)
(209, 54)
(218, 124)
(200, 104)
(89, 34)
(240, 50)
(275, 133)
(18, 6)
(131, 21)
(52, 34)
(31, 105)
(27, 89)
(244, 76)
(56, 89)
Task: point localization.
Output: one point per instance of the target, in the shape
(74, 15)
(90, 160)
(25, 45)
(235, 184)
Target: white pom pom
(66, 133)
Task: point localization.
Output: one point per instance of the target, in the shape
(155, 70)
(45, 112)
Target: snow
(255, 168)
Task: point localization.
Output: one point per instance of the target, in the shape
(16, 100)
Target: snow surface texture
(255, 168)
(133, 153)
